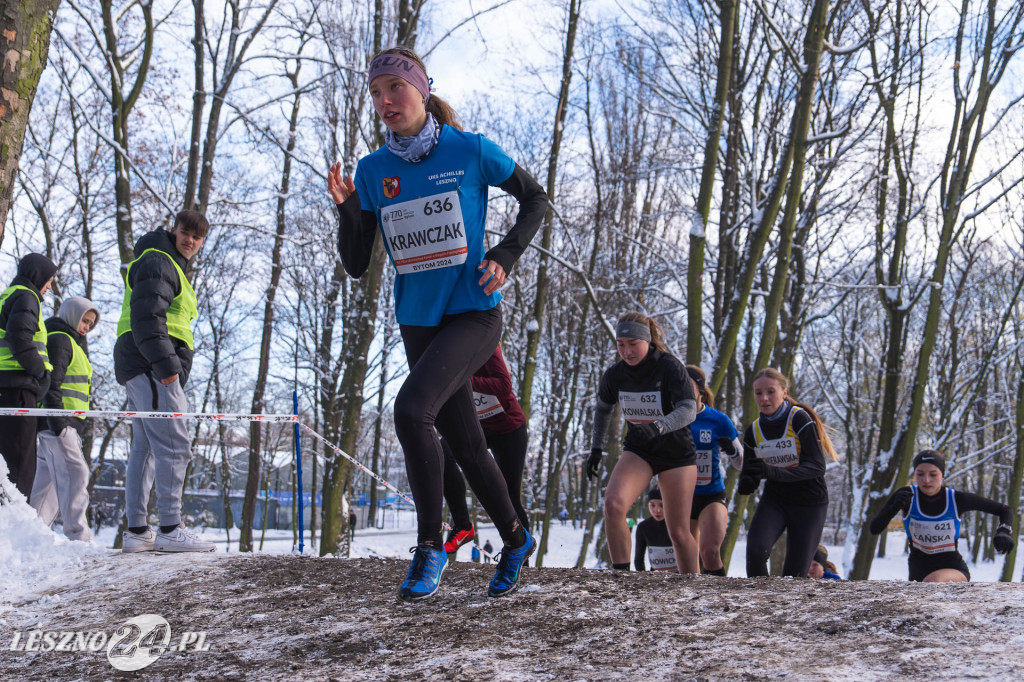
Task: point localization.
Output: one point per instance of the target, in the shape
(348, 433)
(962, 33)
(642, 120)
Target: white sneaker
(133, 542)
(181, 539)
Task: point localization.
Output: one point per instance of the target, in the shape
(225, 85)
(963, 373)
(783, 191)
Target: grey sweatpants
(61, 483)
(160, 452)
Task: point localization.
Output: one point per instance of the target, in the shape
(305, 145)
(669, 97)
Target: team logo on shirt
(391, 187)
(705, 435)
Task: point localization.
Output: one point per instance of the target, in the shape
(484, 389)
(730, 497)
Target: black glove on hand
(748, 484)
(1003, 540)
(901, 499)
(726, 446)
(754, 468)
(640, 435)
(593, 462)
(56, 424)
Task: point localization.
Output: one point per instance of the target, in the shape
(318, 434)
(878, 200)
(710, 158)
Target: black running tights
(438, 393)
(509, 451)
(803, 525)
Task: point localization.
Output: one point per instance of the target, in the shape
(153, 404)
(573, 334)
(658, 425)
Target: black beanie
(654, 494)
(36, 268)
(933, 457)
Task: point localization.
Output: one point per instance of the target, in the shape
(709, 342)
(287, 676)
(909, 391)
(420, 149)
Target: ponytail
(443, 112)
(699, 378)
(819, 425)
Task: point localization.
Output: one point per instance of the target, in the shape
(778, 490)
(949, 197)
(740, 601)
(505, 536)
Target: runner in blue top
(931, 518)
(426, 192)
(712, 432)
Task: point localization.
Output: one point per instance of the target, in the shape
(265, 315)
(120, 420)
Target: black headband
(930, 457)
(697, 376)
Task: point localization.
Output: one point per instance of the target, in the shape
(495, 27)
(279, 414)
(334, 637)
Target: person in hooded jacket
(24, 365)
(152, 359)
(62, 475)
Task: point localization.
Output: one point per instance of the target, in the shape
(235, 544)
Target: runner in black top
(786, 446)
(931, 518)
(656, 398)
(652, 538)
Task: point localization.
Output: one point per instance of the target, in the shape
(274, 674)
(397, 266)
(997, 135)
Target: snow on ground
(275, 615)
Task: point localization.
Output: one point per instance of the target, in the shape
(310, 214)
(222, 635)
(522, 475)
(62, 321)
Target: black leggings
(438, 393)
(18, 439)
(510, 454)
(803, 525)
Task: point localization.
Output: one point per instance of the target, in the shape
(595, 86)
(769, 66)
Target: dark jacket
(155, 284)
(58, 347)
(19, 318)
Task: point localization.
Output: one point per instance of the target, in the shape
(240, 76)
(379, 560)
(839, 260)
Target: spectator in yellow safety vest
(24, 366)
(62, 473)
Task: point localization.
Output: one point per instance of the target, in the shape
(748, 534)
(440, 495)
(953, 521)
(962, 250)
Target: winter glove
(754, 469)
(901, 500)
(56, 424)
(593, 462)
(726, 446)
(748, 484)
(640, 435)
(1003, 539)
(42, 385)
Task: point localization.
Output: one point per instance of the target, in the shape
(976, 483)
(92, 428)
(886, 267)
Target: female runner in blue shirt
(713, 432)
(426, 192)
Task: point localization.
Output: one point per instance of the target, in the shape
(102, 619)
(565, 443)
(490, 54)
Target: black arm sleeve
(357, 230)
(966, 502)
(533, 203)
(886, 514)
(812, 458)
(639, 555)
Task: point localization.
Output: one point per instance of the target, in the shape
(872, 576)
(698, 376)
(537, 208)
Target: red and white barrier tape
(292, 418)
(46, 412)
(358, 464)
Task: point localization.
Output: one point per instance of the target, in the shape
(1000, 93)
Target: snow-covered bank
(33, 559)
(286, 618)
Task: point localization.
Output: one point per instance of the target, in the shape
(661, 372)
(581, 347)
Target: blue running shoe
(506, 577)
(424, 575)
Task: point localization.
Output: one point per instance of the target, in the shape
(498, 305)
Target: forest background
(832, 188)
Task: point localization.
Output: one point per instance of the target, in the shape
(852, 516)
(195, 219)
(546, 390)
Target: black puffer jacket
(58, 347)
(155, 284)
(19, 318)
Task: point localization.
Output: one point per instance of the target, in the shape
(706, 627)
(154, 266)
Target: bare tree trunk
(24, 41)
(1013, 496)
(695, 271)
(792, 153)
(255, 433)
(234, 57)
(121, 105)
(534, 332)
